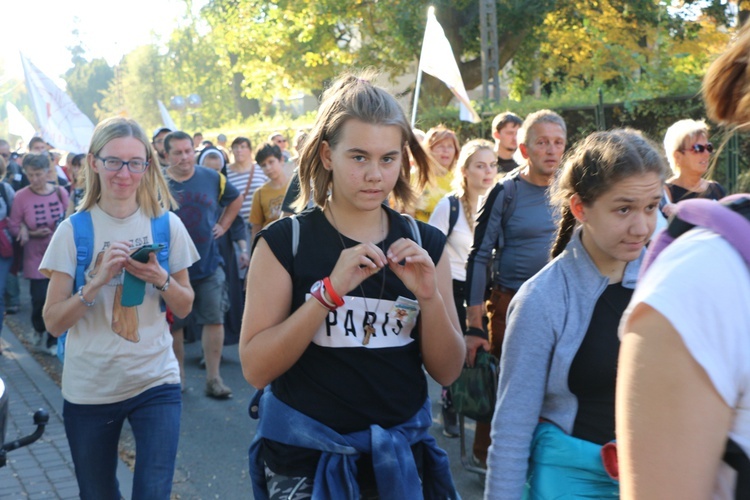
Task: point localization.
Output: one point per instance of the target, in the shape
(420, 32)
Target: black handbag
(474, 392)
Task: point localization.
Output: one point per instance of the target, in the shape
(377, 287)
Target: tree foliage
(86, 82)
(634, 46)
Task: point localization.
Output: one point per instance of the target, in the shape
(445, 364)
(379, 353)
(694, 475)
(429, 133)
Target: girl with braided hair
(559, 356)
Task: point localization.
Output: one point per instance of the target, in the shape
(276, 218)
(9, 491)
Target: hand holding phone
(134, 289)
(141, 254)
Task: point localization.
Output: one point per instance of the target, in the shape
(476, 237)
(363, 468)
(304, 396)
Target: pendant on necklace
(369, 331)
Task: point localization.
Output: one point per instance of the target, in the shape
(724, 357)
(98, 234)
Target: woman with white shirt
(477, 164)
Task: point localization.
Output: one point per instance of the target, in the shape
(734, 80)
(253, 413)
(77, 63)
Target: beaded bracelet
(83, 299)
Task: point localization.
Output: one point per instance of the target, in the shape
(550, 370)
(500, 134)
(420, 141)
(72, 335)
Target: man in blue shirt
(208, 205)
(519, 241)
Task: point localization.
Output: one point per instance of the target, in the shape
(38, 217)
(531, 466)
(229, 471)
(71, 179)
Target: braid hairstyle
(596, 164)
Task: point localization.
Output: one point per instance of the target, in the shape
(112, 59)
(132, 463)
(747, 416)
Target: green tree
(279, 47)
(191, 66)
(137, 84)
(86, 82)
(636, 48)
(284, 46)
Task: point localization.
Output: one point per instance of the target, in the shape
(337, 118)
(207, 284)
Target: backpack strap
(509, 193)
(736, 458)
(453, 214)
(222, 185)
(415, 234)
(83, 236)
(160, 232)
(295, 234)
(729, 218)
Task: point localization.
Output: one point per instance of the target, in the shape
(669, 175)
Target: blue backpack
(83, 235)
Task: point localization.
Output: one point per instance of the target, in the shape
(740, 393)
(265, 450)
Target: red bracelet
(336, 298)
(317, 291)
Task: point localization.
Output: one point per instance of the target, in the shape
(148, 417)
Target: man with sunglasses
(208, 205)
(689, 154)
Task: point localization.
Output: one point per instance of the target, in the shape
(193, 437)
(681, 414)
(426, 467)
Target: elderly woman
(37, 210)
(689, 152)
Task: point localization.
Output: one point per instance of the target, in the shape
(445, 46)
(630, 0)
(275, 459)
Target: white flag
(18, 124)
(61, 123)
(437, 60)
(165, 118)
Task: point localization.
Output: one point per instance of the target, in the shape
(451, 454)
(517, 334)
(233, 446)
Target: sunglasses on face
(699, 148)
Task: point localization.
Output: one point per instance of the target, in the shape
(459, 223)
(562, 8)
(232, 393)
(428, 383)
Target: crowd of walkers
(395, 254)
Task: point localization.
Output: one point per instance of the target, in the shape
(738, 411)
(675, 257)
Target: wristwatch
(164, 287)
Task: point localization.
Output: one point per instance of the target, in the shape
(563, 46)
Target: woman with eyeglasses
(119, 362)
(689, 154)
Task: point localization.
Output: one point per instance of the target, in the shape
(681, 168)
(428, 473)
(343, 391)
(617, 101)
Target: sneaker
(477, 462)
(450, 423)
(52, 350)
(215, 388)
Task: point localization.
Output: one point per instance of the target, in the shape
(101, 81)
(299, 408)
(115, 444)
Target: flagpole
(416, 96)
(430, 11)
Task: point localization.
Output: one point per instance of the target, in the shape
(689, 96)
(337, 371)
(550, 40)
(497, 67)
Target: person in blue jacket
(556, 394)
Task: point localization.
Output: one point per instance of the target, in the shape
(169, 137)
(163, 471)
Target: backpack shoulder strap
(415, 234)
(160, 232)
(295, 234)
(509, 192)
(222, 184)
(453, 214)
(83, 235)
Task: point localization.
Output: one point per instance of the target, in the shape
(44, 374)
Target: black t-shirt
(338, 381)
(505, 166)
(594, 369)
(713, 192)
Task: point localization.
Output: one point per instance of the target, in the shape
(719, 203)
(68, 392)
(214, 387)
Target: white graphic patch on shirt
(345, 327)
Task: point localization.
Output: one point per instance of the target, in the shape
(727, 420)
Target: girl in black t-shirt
(343, 309)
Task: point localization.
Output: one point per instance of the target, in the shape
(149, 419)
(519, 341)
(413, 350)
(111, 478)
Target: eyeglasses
(115, 164)
(699, 148)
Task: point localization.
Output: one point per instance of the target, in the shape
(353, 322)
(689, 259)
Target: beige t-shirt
(102, 366)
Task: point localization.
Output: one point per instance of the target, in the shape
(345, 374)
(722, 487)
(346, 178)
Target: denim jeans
(93, 433)
(4, 268)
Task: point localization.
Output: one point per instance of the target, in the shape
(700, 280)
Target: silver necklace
(369, 328)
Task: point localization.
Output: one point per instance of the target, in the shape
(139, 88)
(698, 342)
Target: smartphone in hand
(141, 254)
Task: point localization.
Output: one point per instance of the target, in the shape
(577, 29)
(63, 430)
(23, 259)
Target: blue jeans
(4, 268)
(93, 433)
